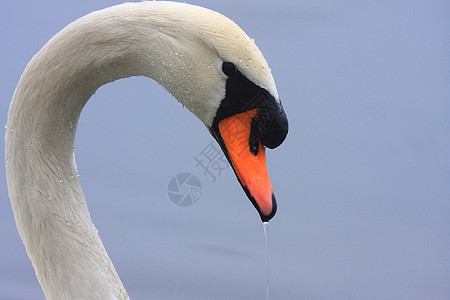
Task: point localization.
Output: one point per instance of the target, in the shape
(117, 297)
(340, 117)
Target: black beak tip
(266, 218)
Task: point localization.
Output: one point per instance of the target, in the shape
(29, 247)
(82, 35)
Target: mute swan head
(223, 78)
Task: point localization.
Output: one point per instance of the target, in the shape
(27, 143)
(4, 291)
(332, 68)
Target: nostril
(253, 143)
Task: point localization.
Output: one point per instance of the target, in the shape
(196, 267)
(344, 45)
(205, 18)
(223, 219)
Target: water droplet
(266, 229)
(249, 60)
(67, 223)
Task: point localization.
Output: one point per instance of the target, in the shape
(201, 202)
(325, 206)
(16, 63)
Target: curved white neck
(50, 210)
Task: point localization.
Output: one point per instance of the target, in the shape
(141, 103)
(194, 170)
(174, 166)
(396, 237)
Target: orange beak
(248, 159)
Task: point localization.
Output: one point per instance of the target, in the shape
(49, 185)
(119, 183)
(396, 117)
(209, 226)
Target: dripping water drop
(266, 228)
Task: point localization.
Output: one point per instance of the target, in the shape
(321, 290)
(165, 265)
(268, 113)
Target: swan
(199, 56)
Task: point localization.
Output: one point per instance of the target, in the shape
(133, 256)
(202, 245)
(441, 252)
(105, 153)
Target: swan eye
(229, 69)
